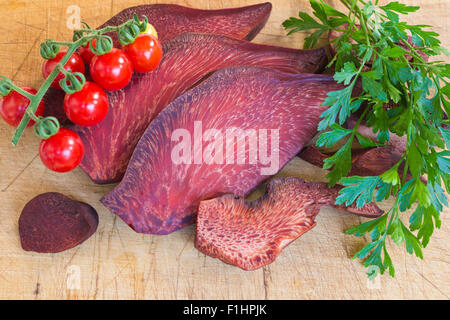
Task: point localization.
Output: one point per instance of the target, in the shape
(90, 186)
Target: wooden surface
(117, 263)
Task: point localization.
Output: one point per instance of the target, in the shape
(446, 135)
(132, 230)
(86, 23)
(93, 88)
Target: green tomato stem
(21, 91)
(59, 43)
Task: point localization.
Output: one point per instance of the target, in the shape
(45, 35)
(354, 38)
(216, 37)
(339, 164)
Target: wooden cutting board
(117, 263)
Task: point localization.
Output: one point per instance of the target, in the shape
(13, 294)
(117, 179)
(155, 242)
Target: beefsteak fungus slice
(172, 20)
(365, 162)
(187, 60)
(250, 235)
(265, 115)
(52, 222)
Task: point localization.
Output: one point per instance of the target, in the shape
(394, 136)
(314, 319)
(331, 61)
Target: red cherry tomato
(13, 106)
(63, 151)
(88, 106)
(111, 71)
(86, 53)
(74, 64)
(145, 53)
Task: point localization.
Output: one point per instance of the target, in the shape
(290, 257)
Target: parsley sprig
(388, 57)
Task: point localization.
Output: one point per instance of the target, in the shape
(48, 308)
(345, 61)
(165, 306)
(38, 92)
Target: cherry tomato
(111, 71)
(151, 30)
(86, 53)
(62, 152)
(74, 64)
(145, 53)
(13, 106)
(88, 106)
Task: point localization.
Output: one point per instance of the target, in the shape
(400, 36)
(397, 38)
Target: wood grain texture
(117, 263)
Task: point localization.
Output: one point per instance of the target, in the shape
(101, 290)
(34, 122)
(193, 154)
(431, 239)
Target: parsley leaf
(340, 105)
(357, 188)
(347, 73)
(399, 7)
(329, 138)
(340, 161)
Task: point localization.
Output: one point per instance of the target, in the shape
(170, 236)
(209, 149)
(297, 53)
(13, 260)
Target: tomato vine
(45, 127)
